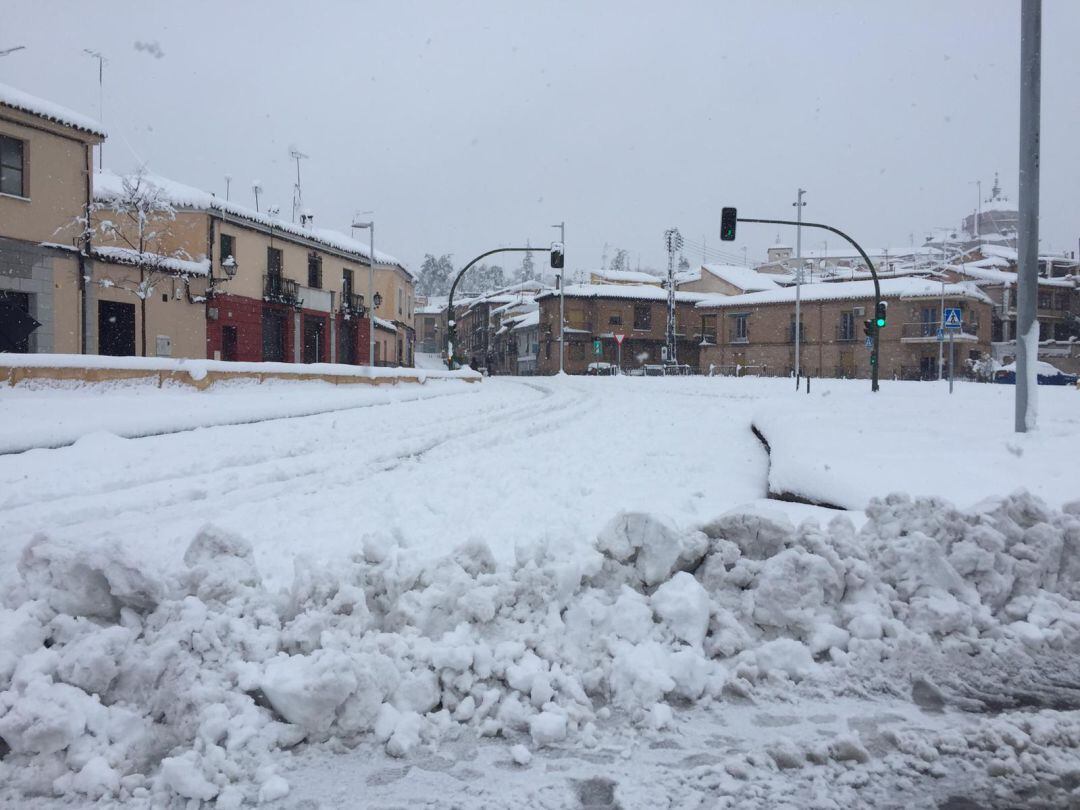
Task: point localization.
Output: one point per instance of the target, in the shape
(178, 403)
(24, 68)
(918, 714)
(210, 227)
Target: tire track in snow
(159, 501)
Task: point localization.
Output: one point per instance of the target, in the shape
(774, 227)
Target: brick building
(755, 332)
(598, 312)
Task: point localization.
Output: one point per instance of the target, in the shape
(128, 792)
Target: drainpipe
(84, 254)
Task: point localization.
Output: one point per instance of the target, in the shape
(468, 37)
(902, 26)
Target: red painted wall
(246, 315)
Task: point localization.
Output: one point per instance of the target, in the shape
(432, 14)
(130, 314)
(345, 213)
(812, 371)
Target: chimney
(307, 219)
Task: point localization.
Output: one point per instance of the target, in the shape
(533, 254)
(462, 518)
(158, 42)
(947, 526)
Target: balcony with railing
(280, 290)
(353, 304)
(927, 331)
(706, 337)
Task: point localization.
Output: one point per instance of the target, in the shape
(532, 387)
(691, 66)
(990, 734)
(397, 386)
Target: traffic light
(728, 219)
(881, 315)
(596, 347)
(557, 255)
(868, 327)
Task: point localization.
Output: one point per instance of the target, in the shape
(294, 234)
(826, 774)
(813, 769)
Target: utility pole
(674, 242)
(101, 60)
(978, 208)
(562, 300)
(941, 317)
(799, 205)
(1027, 327)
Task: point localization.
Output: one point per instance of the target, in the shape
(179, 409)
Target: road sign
(869, 343)
(953, 318)
(941, 334)
(619, 339)
(596, 348)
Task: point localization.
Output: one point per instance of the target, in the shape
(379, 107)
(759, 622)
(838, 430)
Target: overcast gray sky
(469, 125)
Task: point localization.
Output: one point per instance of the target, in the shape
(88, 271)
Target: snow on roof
(643, 292)
(385, 324)
(128, 256)
(1041, 368)
(527, 320)
(1007, 253)
(983, 273)
(742, 277)
(626, 276)
(431, 309)
(19, 100)
(890, 288)
(108, 185)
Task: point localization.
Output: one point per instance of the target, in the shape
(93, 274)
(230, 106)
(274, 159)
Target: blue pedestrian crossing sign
(869, 343)
(953, 318)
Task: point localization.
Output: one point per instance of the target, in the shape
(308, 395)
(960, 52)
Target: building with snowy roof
(725, 279)
(623, 277)
(46, 162)
(755, 332)
(279, 291)
(598, 316)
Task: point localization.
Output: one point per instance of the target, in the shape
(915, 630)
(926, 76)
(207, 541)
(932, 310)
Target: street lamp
(373, 296)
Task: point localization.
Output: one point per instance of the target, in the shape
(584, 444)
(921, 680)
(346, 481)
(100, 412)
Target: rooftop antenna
(101, 94)
(228, 183)
(297, 197)
(256, 187)
(356, 223)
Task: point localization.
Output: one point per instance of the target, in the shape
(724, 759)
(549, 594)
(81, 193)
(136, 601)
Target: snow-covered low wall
(201, 374)
(168, 686)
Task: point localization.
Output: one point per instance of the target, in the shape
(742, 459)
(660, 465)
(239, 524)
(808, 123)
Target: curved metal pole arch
(873, 272)
(451, 325)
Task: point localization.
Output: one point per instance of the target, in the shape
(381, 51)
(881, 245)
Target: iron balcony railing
(280, 290)
(353, 304)
(929, 329)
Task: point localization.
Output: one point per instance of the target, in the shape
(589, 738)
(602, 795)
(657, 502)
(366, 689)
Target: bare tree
(136, 224)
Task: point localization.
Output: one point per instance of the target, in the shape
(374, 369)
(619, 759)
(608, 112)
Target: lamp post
(372, 305)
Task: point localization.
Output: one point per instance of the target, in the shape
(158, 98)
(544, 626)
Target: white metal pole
(798, 287)
(1027, 327)
(941, 317)
(952, 360)
(371, 294)
(562, 299)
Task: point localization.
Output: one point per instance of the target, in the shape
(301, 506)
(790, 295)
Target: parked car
(1045, 373)
(601, 370)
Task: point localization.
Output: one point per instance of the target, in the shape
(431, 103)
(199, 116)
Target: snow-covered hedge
(166, 686)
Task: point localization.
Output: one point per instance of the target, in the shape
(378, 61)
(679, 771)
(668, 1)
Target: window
(346, 282)
(614, 320)
(227, 247)
(642, 316)
(314, 271)
(791, 330)
(1045, 300)
(273, 261)
(12, 167)
(400, 301)
(847, 326)
(740, 329)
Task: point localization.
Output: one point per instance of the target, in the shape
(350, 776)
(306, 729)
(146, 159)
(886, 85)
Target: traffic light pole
(873, 272)
(451, 325)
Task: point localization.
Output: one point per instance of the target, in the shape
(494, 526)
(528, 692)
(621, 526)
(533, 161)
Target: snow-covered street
(551, 592)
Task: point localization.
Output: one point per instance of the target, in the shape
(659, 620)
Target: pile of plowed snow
(118, 683)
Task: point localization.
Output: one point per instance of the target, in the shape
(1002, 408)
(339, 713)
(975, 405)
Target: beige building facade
(755, 333)
(46, 163)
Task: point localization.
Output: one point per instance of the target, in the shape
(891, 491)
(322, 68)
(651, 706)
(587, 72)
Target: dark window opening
(347, 282)
(273, 262)
(228, 342)
(273, 335)
(12, 167)
(314, 271)
(227, 248)
(615, 320)
(642, 316)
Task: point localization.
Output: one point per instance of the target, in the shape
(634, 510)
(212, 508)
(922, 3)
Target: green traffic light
(880, 322)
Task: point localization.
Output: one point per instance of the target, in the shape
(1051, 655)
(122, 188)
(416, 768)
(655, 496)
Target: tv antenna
(297, 197)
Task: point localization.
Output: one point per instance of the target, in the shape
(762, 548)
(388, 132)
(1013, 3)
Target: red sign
(619, 339)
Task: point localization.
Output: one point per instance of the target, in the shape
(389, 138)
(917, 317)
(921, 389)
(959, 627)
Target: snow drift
(120, 682)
